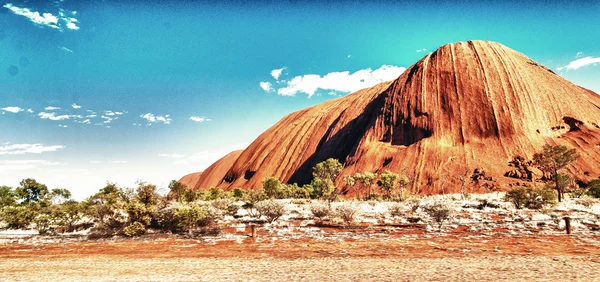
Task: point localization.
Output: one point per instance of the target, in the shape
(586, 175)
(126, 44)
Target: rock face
(467, 105)
(213, 175)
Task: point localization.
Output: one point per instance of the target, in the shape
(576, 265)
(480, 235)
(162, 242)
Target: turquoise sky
(155, 90)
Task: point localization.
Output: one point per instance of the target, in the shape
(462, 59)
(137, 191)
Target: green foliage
(552, 159)
(215, 193)
(328, 170)
(272, 187)
(146, 194)
(271, 209)
(68, 214)
(106, 204)
(387, 182)
(140, 212)
(323, 189)
(238, 193)
(18, 217)
(226, 206)
(44, 220)
(134, 229)
(177, 190)
(191, 216)
(7, 197)
(594, 188)
(360, 181)
(30, 191)
(60, 195)
(532, 198)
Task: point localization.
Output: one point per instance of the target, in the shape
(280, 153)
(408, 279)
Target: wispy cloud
(75, 106)
(276, 73)
(66, 49)
(63, 125)
(199, 119)
(30, 111)
(51, 108)
(579, 63)
(12, 165)
(267, 86)
(151, 119)
(421, 50)
(53, 116)
(21, 149)
(175, 156)
(63, 20)
(344, 81)
(12, 109)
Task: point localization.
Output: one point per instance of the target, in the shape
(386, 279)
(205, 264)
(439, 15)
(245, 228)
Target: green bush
(594, 188)
(134, 229)
(18, 217)
(192, 216)
(532, 198)
(226, 206)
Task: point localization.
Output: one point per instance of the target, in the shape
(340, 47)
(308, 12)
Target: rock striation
(468, 105)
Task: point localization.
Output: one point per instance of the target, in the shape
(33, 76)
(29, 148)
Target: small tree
(324, 175)
(272, 187)
(271, 209)
(30, 191)
(552, 160)
(7, 197)
(177, 190)
(387, 182)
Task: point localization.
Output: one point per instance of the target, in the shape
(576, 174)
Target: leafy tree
(594, 188)
(30, 191)
(60, 195)
(146, 194)
(177, 190)
(7, 197)
(18, 217)
(272, 187)
(328, 170)
(552, 160)
(360, 181)
(324, 175)
(387, 182)
(105, 204)
(69, 213)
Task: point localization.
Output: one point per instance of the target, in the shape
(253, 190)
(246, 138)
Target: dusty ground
(457, 257)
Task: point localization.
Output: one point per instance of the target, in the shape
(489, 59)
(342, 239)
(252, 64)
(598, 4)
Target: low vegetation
(136, 211)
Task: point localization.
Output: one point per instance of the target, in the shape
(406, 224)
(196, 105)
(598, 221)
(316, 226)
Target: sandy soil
(416, 259)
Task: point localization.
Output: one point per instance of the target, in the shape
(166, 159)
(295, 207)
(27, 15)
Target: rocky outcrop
(466, 105)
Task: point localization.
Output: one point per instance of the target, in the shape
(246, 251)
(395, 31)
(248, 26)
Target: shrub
(238, 193)
(439, 211)
(43, 221)
(271, 209)
(320, 211)
(395, 209)
(192, 216)
(273, 187)
(347, 212)
(134, 229)
(594, 188)
(532, 198)
(226, 206)
(18, 217)
(577, 193)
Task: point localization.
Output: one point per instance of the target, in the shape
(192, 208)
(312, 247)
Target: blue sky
(125, 90)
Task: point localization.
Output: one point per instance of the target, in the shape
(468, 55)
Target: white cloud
(21, 149)
(85, 121)
(582, 62)
(30, 111)
(53, 116)
(63, 125)
(66, 49)
(111, 113)
(151, 118)
(578, 55)
(340, 81)
(64, 19)
(12, 109)
(75, 106)
(51, 108)
(276, 73)
(267, 86)
(421, 50)
(175, 156)
(199, 119)
(12, 165)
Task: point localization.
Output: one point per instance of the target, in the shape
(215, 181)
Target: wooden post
(253, 228)
(568, 224)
